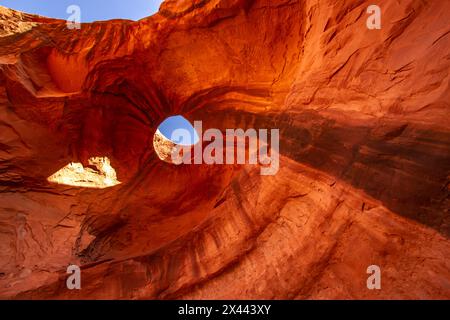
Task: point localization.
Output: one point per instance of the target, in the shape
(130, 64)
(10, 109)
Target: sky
(170, 124)
(91, 10)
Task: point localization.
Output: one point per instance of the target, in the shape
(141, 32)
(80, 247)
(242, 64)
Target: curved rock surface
(364, 173)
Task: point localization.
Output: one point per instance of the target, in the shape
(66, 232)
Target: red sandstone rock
(365, 152)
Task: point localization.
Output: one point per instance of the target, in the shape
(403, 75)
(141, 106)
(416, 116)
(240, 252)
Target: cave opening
(98, 174)
(173, 131)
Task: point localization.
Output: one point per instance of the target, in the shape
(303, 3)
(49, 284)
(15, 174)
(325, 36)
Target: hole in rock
(173, 131)
(99, 174)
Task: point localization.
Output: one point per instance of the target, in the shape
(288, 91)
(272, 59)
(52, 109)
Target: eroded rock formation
(365, 152)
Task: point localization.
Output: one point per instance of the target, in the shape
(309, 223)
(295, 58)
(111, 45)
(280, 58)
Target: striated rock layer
(364, 173)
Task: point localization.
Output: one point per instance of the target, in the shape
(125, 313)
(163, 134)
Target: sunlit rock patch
(74, 174)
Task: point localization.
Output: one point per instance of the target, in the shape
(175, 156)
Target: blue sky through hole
(168, 126)
(91, 10)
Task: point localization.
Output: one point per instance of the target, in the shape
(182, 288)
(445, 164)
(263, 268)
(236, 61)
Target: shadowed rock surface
(365, 152)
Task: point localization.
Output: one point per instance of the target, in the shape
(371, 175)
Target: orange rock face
(364, 174)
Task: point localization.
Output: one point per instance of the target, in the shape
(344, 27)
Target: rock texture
(163, 147)
(365, 152)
